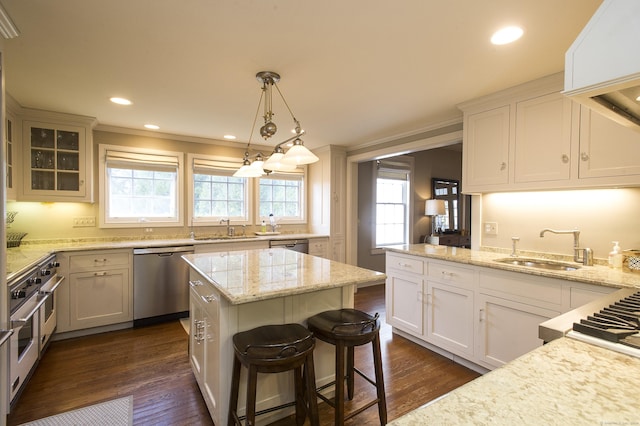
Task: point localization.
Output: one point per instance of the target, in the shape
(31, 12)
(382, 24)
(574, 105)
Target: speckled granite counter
(597, 274)
(250, 275)
(24, 257)
(565, 382)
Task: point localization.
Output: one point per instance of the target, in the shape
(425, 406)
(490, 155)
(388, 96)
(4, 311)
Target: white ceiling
(354, 72)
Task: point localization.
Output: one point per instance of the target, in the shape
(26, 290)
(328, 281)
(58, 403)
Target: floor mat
(117, 412)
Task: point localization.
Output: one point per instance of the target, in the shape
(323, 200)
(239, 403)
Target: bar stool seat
(275, 349)
(346, 329)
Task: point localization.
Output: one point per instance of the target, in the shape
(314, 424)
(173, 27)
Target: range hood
(602, 66)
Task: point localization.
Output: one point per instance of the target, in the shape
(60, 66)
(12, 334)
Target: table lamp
(434, 208)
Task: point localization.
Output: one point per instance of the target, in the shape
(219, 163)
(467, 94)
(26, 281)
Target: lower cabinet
(485, 316)
(507, 329)
(98, 291)
(319, 247)
(204, 342)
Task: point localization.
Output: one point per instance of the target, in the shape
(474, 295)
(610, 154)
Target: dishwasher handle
(163, 250)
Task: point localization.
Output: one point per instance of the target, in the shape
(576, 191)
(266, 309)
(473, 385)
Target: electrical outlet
(491, 228)
(84, 222)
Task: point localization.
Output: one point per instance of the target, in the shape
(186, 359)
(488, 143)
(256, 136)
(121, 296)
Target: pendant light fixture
(279, 160)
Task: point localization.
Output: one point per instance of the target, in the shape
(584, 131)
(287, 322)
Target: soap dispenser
(615, 256)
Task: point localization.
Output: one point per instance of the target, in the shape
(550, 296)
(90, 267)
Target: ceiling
(355, 73)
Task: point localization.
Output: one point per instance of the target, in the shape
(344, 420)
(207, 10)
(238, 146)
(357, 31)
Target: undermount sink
(538, 263)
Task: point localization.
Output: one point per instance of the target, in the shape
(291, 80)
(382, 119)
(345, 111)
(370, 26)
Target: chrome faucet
(587, 253)
(230, 230)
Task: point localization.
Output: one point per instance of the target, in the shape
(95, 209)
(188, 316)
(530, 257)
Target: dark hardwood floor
(151, 363)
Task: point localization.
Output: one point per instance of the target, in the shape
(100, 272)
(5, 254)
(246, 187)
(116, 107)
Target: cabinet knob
(565, 158)
(584, 156)
(503, 165)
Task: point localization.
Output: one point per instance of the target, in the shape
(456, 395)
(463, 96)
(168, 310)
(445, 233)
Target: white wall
(601, 215)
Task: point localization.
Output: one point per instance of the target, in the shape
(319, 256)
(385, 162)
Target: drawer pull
(195, 283)
(404, 265)
(100, 274)
(100, 260)
(481, 315)
(448, 275)
(208, 299)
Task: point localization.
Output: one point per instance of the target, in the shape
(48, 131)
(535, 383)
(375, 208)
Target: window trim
(300, 171)
(139, 155)
(222, 163)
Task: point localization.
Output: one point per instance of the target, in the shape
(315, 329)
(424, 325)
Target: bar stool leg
(235, 389)
(301, 410)
(339, 398)
(251, 395)
(312, 400)
(377, 362)
(350, 373)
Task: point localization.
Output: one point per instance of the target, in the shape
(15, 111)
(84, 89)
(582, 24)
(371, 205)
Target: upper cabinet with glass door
(57, 160)
(11, 135)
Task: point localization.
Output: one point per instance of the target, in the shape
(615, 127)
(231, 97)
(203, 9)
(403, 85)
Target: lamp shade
(299, 154)
(274, 162)
(434, 207)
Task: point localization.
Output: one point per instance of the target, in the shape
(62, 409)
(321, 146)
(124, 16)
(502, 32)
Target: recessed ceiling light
(229, 137)
(120, 101)
(151, 126)
(506, 35)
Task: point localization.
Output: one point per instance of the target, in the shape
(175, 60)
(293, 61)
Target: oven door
(48, 313)
(24, 344)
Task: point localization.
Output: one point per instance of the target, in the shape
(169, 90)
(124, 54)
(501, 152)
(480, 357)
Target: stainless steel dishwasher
(296, 245)
(160, 284)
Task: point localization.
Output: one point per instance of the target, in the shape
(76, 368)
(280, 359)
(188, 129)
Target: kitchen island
(565, 382)
(235, 291)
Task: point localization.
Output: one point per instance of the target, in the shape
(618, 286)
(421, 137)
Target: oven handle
(18, 323)
(55, 286)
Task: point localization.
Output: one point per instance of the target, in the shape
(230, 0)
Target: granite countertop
(250, 275)
(20, 259)
(597, 274)
(565, 382)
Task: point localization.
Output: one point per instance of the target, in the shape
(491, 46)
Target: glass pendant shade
(248, 170)
(299, 154)
(274, 162)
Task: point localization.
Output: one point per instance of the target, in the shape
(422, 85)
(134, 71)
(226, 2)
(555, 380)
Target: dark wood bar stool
(346, 329)
(275, 349)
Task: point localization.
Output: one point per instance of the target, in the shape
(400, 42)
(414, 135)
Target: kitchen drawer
(448, 273)
(99, 260)
(525, 288)
(405, 264)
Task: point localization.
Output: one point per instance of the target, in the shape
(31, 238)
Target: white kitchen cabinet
(485, 156)
(507, 329)
(519, 138)
(319, 247)
(450, 296)
(608, 149)
(57, 157)
(98, 291)
(327, 192)
(204, 341)
(532, 137)
(543, 139)
(404, 293)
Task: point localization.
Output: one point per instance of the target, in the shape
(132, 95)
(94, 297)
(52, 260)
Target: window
(215, 193)
(392, 203)
(282, 194)
(139, 187)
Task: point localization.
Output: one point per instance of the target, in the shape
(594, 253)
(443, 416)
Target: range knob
(18, 294)
(54, 265)
(34, 280)
(45, 272)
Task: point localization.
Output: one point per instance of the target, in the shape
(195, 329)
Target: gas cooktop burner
(618, 323)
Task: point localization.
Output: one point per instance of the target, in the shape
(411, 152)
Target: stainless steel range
(31, 308)
(611, 321)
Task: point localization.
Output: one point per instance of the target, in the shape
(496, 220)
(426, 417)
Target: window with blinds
(392, 202)
(215, 193)
(140, 187)
(282, 194)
